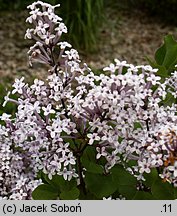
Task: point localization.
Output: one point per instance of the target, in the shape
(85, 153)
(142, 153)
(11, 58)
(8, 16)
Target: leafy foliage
(89, 161)
(45, 192)
(56, 188)
(166, 57)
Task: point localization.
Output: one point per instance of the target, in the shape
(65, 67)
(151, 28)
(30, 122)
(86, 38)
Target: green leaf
(128, 191)
(67, 190)
(118, 179)
(89, 161)
(169, 100)
(166, 55)
(63, 185)
(43, 177)
(91, 166)
(122, 177)
(141, 195)
(125, 181)
(151, 177)
(162, 190)
(160, 54)
(162, 71)
(100, 185)
(87, 196)
(175, 193)
(137, 125)
(70, 195)
(89, 154)
(45, 192)
(59, 183)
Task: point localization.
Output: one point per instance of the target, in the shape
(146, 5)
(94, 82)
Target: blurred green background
(83, 17)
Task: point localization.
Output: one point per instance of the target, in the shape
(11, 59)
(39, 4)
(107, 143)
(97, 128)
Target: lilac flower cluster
(119, 113)
(124, 114)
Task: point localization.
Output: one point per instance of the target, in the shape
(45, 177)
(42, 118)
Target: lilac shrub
(119, 114)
